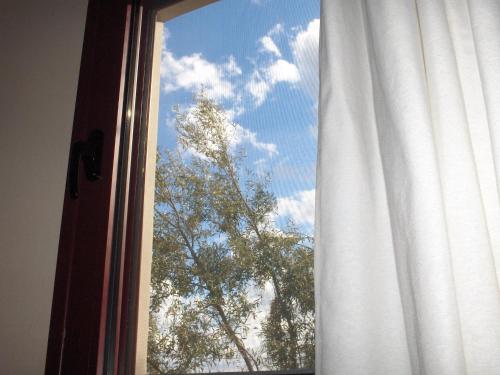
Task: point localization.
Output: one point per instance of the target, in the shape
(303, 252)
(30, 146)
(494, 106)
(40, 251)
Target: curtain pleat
(408, 212)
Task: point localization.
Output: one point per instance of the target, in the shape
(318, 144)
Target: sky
(258, 59)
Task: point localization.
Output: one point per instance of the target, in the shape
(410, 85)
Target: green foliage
(215, 242)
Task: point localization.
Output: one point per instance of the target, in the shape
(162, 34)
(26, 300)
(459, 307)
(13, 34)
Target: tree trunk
(247, 357)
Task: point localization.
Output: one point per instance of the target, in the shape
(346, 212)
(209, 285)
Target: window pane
(232, 253)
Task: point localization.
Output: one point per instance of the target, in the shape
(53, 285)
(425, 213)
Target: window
(218, 228)
(232, 250)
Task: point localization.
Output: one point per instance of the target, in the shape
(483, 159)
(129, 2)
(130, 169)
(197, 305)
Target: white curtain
(408, 213)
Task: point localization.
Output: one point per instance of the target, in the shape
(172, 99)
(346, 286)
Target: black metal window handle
(90, 153)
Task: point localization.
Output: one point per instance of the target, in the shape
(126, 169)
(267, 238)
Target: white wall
(41, 44)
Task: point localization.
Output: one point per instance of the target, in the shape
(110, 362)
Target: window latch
(89, 152)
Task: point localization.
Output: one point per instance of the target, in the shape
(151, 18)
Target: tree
(215, 241)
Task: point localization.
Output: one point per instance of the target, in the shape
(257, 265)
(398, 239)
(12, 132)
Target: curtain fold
(408, 212)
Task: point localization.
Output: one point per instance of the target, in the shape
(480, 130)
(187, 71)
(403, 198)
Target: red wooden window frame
(92, 327)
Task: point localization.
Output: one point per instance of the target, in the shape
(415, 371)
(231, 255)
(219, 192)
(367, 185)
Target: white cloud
(305, 48)
(193, 72)
(266, 76)
(258, 87)
(268, 45)
(282, 71)
(262, 80)
(299, 207)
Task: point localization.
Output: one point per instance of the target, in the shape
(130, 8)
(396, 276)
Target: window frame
(93, 327)
(79, 306)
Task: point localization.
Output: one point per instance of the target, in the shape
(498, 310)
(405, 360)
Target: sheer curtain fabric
(408, 213)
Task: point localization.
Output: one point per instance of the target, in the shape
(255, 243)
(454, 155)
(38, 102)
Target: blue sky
(258, 59)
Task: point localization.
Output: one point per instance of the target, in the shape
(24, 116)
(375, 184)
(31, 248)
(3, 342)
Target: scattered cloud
(193, 72)
(276, 70)
(299, 207)
(258, 87)
(282, 71)
(264, 79)
(268, 45)
(305, 47)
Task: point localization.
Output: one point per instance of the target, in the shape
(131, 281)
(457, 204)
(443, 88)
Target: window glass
(232, 254)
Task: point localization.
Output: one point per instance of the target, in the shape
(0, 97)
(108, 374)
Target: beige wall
(41, 43)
